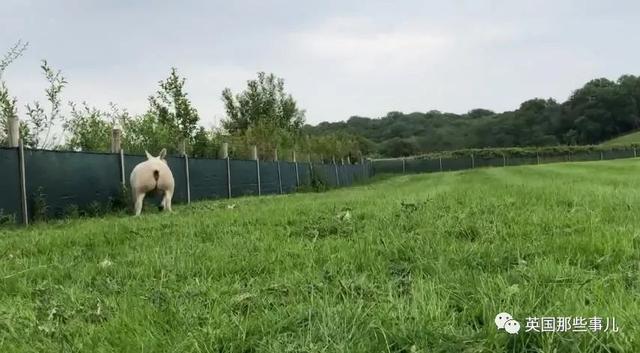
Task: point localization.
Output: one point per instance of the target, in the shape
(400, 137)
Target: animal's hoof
(161, 208)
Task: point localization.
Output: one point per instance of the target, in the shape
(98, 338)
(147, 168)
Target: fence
(406, 165)
(54, 182)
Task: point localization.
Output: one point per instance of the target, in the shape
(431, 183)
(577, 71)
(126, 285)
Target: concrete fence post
(23, 184)
(634, 153)
(538, 158)
(13, 129)
(440, 159)
(404, 166)
(473, 162)
(504, 160)
(601, 155)
(254, 154)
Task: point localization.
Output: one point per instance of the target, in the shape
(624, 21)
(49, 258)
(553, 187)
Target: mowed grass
(626, 139)
(419, 263)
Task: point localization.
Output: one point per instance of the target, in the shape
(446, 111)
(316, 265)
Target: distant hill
(625, 139)
(597, 112)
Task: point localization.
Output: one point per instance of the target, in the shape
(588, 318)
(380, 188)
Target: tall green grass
(415, 263)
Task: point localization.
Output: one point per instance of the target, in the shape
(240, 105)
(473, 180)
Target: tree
(40, 122)
(263, 103)
(174, 111)
(88, 130)
(8, 104)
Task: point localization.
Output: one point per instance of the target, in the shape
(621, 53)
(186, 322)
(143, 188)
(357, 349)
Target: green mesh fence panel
(488, 162)
(326, 173)
(269, 178)
(178, 169)
(554, 159)
(304, 169)
(422, 165)
(456, 163)
(617, 154)
(288, 175)
(10, 185)
(208, 178)
(521, 160)
(356, 173)
(59, 180)
(244, 178)
(387, 166)
(346, 178)
(585, 156)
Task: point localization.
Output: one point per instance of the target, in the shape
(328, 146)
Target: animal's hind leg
(166, 201)
(139, 200)
(163, 203)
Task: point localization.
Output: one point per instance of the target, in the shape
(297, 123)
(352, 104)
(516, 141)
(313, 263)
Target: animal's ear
(148, 155)
(163, 153)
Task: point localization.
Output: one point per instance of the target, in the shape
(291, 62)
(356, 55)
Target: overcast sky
(338, 58)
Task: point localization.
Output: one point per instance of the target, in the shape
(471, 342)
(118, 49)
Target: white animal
(152, 175)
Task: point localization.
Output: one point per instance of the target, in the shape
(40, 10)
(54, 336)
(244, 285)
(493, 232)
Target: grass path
(417, 263)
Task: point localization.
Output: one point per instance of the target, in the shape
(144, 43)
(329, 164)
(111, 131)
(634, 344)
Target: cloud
(356, 46)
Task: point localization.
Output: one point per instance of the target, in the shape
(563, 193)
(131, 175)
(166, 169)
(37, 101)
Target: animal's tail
(156, 176)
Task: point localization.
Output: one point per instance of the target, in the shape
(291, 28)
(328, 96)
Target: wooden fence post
(23, 184)
(13, 129)
(116, 140)
(224, 150)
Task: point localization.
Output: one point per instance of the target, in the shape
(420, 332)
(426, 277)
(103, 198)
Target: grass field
(419, 263)
(627, 139)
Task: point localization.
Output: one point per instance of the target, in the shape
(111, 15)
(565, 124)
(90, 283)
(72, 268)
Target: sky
(338, 58)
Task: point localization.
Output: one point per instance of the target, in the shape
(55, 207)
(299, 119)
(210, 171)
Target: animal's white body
(152, 174)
